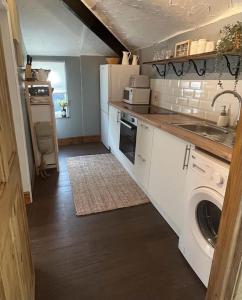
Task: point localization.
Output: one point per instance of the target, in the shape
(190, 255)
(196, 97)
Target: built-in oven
(128, 131)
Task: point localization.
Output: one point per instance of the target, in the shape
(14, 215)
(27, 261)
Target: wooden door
(16, 270)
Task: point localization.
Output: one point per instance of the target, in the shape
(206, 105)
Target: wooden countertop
(163, 122)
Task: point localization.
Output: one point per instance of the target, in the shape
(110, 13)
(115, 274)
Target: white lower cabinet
(166, 186)
(114, 129)
(144, 142)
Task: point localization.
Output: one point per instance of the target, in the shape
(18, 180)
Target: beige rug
(100, 183)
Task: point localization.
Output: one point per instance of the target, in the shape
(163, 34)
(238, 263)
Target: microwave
(136, 95)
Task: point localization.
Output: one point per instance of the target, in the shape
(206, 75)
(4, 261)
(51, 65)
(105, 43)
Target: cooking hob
(149, 109)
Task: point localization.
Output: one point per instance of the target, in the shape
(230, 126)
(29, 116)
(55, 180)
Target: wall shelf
(192, 60)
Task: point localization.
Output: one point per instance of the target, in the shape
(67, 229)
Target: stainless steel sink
(221, 135)
(204, 129)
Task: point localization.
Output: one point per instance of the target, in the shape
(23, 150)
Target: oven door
(127, 141)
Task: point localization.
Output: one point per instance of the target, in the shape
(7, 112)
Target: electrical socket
(156, 97)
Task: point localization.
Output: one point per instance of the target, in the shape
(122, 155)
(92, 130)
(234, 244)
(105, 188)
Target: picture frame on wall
(182, 48)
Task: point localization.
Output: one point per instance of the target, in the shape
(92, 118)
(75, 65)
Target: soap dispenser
(223, 119)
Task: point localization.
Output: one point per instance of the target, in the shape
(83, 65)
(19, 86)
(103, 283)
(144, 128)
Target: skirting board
(27, 198)
(79, 140)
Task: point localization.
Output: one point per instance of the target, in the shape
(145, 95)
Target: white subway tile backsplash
(194, 97)
(189, 93)
(194, 102)
(184, 84)
(196, 85)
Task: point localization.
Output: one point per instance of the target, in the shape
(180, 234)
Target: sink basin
(204, 129)
(210, 131)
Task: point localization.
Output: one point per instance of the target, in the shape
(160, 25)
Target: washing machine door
(205, 213)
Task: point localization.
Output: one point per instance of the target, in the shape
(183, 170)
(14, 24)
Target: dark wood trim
(228, 252)
(27, 198)
(79, 140)
(95, 25)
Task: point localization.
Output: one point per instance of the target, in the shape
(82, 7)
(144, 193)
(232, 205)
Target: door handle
(144, 126)
(139, 156)
(125, 124)
(186, 157)
(118, 116)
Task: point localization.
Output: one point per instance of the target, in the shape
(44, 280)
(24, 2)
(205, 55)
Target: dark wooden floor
(128, 254)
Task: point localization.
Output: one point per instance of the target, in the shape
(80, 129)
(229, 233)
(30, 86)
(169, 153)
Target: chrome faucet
(236, 95)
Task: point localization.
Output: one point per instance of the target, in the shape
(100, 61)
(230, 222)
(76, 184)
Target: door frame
(226, 266)
(14, 90)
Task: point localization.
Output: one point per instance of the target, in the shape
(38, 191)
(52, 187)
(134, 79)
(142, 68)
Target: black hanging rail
(235, 72)
(178, 72)
(161, 73)
(191, 59)
(202, 70)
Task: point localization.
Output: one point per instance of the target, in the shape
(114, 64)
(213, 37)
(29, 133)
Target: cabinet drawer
(142, 170)
(114, 113)
(144, 140)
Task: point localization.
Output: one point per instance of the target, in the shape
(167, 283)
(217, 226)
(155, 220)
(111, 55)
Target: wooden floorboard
(126, 254)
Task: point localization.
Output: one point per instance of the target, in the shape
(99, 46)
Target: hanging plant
(231, 42)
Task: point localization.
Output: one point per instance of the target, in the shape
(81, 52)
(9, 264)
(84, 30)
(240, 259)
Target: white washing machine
(206, 184)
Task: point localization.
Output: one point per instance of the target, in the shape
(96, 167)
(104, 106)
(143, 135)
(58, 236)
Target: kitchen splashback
(194, 97)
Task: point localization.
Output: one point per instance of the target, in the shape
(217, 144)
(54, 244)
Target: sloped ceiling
(140, 23)
(49, 28)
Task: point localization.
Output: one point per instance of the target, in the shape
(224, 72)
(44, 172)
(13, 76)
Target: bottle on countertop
(223, 119)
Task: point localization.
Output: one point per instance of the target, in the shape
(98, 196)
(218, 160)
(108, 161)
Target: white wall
(194, 97)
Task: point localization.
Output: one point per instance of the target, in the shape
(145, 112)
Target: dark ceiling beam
(87, 17)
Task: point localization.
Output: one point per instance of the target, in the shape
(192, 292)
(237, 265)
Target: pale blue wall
(82, 76)
(90, 93)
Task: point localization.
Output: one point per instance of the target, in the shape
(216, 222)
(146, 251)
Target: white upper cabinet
(143, 151)
(166, 188)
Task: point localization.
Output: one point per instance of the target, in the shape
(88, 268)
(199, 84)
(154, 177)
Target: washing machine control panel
(218, 178)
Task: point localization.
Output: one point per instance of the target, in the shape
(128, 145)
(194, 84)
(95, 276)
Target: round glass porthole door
(208, 218)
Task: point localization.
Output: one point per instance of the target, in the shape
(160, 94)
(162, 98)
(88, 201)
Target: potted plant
(231, 42)
(63, 104)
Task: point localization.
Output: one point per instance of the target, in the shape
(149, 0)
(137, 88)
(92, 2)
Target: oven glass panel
(128, 140)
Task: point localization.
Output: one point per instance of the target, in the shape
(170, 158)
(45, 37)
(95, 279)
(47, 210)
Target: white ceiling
(140, 23)
(49, 28)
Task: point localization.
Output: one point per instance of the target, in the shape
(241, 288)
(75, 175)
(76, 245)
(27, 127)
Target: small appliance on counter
(138, 91)
(136, 95)
(139, 81)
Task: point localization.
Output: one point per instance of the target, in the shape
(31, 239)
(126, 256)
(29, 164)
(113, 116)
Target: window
(57, 76)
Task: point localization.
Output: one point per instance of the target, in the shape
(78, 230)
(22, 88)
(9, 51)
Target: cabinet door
(104, 87)
(167, 177)
(144, 142)
(16, 270)
(114, 129)
(104, 128)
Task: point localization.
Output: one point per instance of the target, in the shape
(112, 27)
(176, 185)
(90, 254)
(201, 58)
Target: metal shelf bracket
(161, 73)
(178, 73)
(233, 70)
(202, 70)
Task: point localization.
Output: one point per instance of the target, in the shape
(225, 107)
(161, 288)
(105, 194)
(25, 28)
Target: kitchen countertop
(164, 122)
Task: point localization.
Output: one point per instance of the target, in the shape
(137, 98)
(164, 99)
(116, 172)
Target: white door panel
(119, 79)
(104, 128)
(104, 87)
(167, 177)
